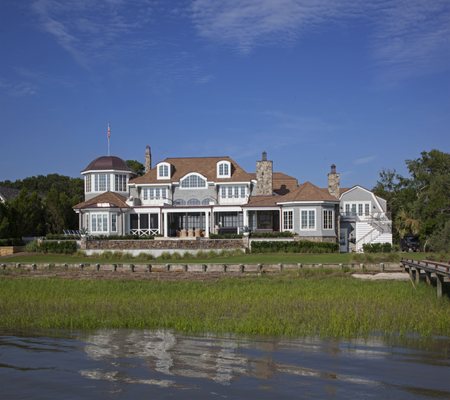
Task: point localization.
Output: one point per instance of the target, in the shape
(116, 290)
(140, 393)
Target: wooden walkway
(430, 269)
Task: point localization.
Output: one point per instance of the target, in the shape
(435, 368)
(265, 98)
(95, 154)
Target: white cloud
(90, 30)
(407, 38)
(18, 89)
(413, 37)
(246, 24)
(364, 160)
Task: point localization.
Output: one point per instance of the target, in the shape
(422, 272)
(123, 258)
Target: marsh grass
(226, 256)
(304, 303)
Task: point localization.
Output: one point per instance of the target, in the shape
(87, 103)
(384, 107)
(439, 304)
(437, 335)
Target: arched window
(193, 202)
(207, 201)
(223, 169)
(179, 202)
(193, 181)
(163, 170)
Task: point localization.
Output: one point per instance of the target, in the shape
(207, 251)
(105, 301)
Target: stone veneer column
(264, 172)
(334, 182)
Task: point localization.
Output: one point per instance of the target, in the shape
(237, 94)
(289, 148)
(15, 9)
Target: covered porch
(264, 219)
(186, 222)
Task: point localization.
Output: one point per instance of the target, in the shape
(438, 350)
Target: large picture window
(154, 193)
(328, 218)
(193, 182)
(308, 220)
(101, 182)
(288, 220)
(99, 223)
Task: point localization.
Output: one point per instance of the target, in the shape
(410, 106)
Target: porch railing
(145, 232)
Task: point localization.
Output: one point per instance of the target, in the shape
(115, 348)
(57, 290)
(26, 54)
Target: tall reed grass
(316, 303)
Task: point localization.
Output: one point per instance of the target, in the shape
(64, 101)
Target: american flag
(109, 131)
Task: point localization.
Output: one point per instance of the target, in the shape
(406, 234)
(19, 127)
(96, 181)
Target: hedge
(11, 242)
(47, 246)
(225, 236)
(271, 234)
(294, 247)
(377, 248)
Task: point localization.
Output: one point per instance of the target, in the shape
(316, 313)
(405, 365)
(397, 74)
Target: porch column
(207, 224)
(159, 222)
(245, 217)
(166, 225)
(80, 221)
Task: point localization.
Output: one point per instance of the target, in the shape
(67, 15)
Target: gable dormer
(223, 169)
(163, 170)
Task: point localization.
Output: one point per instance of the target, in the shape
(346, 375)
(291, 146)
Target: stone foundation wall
(202, 244)
(321, 239)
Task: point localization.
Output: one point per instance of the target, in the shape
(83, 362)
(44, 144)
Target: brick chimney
(264, 172)
(148, 159)
(334, 182)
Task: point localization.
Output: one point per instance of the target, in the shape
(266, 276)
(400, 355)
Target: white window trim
(332, 219)
(193, 188)
(228, 163)
(292, 220)
(158, 176)
(98, 214)
(356, 203)
(315, 219)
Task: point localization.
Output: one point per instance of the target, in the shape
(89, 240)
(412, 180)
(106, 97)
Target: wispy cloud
(407, 38)
(246, 24)
(364, 160)
(89, 30)
(412, 37)
(18, 88)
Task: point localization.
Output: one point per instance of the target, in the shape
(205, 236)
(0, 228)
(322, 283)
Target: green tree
(29, 214)
(137, 167)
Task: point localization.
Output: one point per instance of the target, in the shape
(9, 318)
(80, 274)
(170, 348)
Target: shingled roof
(263, 201)
(206, 166)
(107, 163)
(307, 192)
(113, 199)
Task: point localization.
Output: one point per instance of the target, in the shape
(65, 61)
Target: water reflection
(136, 364)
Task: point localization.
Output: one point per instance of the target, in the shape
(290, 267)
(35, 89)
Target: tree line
(420, 202)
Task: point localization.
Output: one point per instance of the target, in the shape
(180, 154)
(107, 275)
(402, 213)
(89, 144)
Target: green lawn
(294, 304)
(266, 258)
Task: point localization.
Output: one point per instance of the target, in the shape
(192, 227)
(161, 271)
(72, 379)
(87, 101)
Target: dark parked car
(410, 243)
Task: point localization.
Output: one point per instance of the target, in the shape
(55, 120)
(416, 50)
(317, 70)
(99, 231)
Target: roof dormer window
(223, 169)
(193, 181)
(163, 170)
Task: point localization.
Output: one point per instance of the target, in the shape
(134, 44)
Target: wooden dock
(429, 270)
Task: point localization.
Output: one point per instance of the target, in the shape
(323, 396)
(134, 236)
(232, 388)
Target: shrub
(60, 236)
(11, 242)
(377, 248)
(225, 236)
(294, 247)
(63, 247)
(271, 234)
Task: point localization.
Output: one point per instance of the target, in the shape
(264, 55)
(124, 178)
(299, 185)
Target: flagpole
(109, 136)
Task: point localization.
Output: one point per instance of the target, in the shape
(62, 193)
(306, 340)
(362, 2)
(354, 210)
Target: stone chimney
(148, 159)
(334, 182)
(264, 171)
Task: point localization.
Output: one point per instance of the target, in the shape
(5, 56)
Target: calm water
(129, 364)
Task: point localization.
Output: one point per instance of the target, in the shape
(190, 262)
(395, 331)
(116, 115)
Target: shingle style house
(197, 196)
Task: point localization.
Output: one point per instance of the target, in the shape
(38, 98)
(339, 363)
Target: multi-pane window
(308, 219)
(113, 222)
(327, 219)
(154, 193)
(163, 171)
(193, 181)
(223, 169)
(88, 183)
(99, 222)
(232, 192)
(101, 182)
(288, 220)
(357, 208)
(120, 183)
(193, 202)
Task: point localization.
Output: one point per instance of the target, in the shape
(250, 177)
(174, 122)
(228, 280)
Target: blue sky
(364, 85)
